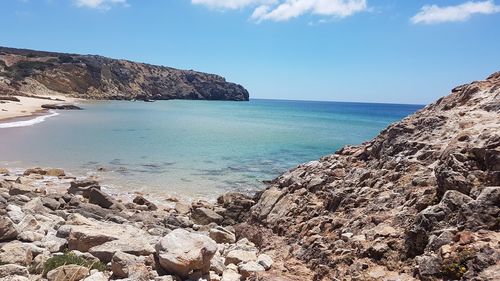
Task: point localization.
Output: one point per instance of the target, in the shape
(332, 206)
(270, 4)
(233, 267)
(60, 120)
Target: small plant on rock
(70, 258)
(456, 266)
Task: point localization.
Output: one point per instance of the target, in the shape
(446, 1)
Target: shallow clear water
(193, 148)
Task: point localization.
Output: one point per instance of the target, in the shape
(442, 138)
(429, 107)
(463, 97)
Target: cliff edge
(421, 200)
(29, 72)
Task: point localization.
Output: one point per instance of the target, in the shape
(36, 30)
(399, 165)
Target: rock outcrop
(29, 72)
(421, 200)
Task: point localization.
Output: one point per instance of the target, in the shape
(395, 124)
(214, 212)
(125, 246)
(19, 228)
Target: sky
(394, 51)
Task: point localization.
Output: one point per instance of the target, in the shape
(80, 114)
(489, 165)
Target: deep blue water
(194, 148)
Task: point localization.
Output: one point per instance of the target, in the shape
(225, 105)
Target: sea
(193, 149)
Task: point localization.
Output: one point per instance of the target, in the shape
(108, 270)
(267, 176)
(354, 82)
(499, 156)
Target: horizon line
(337, 101)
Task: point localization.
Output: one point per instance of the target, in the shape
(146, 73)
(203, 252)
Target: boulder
(16, 278)
(92, 211)
(176, 221)
(267, 201)
(249, 268)
(83, 187)
(265, 260)
(181, 252)
(222, 235)
(38, 171)
(11, 270)
(51, 203)
(97, 276)
(136, 247)
(30, 236)
(54, 172)
(21, 189)
(230, 275)
(28, 180)
(54, 244)
(429, 265)
(16, 252)
(91, 234)
(100, 198)
(4, 171)
(212, 276)
(205, 216)
(240, 256)
(140, 200)
(122, 264)
(68, 273)
(217, 263)
(39, 262)
(84, 237)
(35, 206)
(182, 208)
(15, 213)
(28, 223)
(7, 229)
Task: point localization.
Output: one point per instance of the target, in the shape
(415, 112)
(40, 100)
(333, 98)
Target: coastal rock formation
(421, 200)
(29, 72)
(61, 106)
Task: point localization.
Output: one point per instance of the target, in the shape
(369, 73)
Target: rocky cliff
(28, 72)
(421, 200)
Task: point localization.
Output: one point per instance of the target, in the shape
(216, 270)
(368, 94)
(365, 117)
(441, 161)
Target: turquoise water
(193, 148)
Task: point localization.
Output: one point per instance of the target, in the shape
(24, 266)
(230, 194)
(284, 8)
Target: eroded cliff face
(27, 72)
(421, 200)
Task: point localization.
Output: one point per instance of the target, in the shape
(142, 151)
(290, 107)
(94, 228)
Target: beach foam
(30, 122)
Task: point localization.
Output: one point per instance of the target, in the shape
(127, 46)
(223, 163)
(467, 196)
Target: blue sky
(346, 50)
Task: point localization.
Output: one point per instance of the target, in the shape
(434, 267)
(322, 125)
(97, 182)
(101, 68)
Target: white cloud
(100, 4)
(432, 14)
(294, 8)
(231, 4)
(282, 10)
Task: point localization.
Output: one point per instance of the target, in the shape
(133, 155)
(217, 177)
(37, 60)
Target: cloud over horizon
(433, 14)
(100, 4)
(283, 10)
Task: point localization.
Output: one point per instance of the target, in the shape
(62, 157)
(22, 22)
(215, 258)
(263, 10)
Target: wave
(30, 122)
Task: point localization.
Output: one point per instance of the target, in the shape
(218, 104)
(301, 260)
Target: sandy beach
(28, 106)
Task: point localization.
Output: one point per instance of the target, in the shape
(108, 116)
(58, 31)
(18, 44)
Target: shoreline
(29, 107)
(27, 117)
(58, 184)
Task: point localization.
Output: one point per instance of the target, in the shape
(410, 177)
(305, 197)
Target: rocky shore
(421, 201)
(82, 233)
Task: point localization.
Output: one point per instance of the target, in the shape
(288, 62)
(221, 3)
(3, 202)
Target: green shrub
(456, 266)
(65, 59)
(25, 69)
(70, 258)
